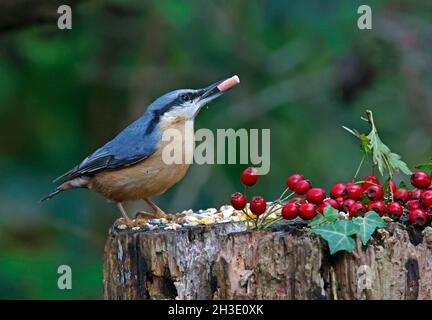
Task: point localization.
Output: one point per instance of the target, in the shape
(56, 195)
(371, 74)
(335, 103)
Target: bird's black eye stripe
(183, 97)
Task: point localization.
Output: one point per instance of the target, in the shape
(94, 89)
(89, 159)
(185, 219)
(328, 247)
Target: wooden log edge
(227, 261)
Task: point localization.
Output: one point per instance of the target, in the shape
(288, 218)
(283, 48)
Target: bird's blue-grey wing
(131, 146)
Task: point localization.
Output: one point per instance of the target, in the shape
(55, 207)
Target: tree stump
(227, 261)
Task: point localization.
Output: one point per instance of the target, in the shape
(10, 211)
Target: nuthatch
(130, 167)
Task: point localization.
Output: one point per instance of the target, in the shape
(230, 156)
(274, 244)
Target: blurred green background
(306, 69)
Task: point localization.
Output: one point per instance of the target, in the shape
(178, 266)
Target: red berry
(302, 187)
(321, 207)
(249, 177)
(339, 190)
(401, 195)
(293, 179)
(332, 203)
(420, 180)
(369, 181)
(238, 201)
(413, 204)
(340, 202)
(316, 195)
(395, 209)
(357, 209)
(415, 194)
(418, 216)
(375, 193)
(308, 211)
(355, 191)
(377, 206)
(297, 200)
(290, 211)
(392, 186)
(347, 204)
(329, 202)
(426, 198)
(258, 205)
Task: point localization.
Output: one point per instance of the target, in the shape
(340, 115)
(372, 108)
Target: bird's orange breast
(150, 177)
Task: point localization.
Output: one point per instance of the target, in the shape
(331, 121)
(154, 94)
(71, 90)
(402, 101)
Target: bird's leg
(158, 212)
(155, 215)
(123, 211)
(162, 214)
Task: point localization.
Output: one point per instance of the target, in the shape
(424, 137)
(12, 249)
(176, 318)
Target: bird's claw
(178, 217)
(142, 218)
(157, 215)
(128, 222)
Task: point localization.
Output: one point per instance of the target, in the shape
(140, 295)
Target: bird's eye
(184, 97)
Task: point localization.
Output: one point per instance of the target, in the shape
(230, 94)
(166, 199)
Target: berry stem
(278, 201)
(247, 214)
(273, 209)
(358, 168)
(270, 223)
(265, 224)
(369, 182)
(283, 193)
(288, 196)
(269, 211)
(255, 220)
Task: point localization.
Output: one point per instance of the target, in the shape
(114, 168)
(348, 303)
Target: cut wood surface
(227, 261)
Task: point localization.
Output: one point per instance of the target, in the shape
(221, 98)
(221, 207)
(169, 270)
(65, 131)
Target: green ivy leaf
(331, 214)
(316, 221)
(338, 235)
(425, 167)
(368, 224)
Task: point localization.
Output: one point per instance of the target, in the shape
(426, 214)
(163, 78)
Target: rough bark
(225, 261)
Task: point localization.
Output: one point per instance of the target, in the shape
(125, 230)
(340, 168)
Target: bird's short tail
(80, 182)
(56, 191)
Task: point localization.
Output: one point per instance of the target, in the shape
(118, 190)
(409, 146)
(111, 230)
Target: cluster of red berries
(257, 205)
(358, 198)
(355, 199)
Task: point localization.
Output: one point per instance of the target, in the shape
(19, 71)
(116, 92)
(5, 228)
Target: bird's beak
(217, 89)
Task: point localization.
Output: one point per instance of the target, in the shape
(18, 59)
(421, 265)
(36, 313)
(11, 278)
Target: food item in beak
(229, 83)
